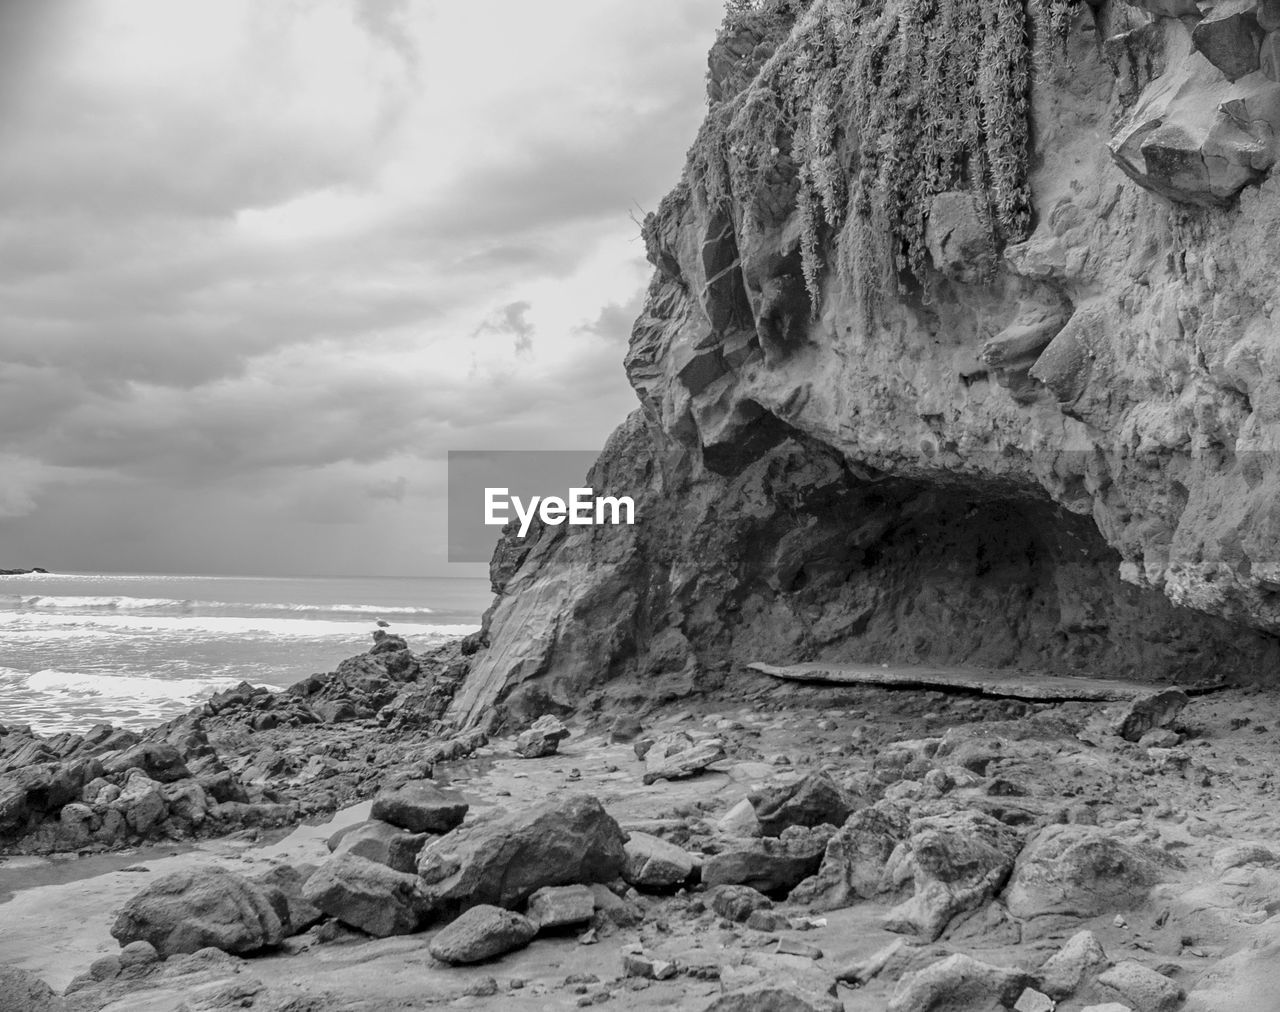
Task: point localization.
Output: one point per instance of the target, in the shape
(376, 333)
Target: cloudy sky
(263, 264)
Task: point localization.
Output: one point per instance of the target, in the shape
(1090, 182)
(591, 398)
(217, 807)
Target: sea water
(79, 649)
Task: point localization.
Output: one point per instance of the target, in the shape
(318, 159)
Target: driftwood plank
(1007, 684)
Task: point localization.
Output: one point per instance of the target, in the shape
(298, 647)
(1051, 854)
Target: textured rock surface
(506, 858)
(421, 807)
(190, 910)
(367, 895)
(655, 863)
(21, 991)
(1082, 871)
(1061, 463)
(481, 933)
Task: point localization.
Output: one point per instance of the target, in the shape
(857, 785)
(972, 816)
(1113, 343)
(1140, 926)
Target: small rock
(542, 738)
(653, 863)
(637, 964)
(1160, 738)
(740, 820)
(1142, 988)
(105, 967)
(737, 902)
(485, 987)
(1068, 969)
(554, 906)
(1032, 1000)
(481, 933)
(1146, 713)
(794, 947)
(138, 954)
(421, 807)
(677, 755)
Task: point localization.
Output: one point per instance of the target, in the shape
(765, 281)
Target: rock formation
(959, 347)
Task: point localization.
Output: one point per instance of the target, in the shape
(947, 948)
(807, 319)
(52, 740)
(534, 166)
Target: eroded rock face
(367, 895)
(504, 859)
(1065, 461)
(1082, 871)
(199, 907)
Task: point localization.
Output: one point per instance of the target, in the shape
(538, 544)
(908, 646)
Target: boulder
(481, 933)
(504, 859)
(367, 895)
(854, 865)
(200, 907)
(1081, 871)
(23, 991)
(138, 954)
(284, 884)
(740, 820)
(811, 800)
(420, 807)
(556, 906)
(1141, 988)
(653, 863)
(157, 760)
(959, 982)
(1146, 713)
(677, 755)
(769, 864)
(384, 843)
(774, 998)
(542, 738)
(958, 862)
(142, 804)
(1072, 966)
(737, 902)
(1230, 37)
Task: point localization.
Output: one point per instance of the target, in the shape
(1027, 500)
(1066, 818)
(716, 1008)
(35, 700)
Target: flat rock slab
(1007, 684)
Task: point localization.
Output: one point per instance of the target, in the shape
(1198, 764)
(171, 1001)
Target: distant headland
(21, 572)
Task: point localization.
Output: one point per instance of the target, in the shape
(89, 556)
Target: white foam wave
(221, 625)
(79, 684)
(124, 603)
(53, 700)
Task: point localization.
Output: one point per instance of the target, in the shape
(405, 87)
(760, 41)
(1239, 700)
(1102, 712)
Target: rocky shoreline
(247, 759)
(776, 846)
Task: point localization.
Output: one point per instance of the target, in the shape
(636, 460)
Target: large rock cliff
(961, 346)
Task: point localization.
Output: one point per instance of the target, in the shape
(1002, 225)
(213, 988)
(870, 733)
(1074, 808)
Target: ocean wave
(42, 623)
(79, 684)
(53, 700)
(125, 603)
